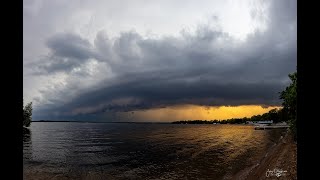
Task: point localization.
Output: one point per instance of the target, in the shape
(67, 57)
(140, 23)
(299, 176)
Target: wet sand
(282, 156)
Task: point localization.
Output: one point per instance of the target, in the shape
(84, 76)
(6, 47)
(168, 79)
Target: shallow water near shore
(143, 151)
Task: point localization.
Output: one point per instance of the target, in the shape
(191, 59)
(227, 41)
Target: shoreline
(280, 157)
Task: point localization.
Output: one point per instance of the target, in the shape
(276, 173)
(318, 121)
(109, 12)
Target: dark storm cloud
(67, 51)
(69, 46)
(206, 67)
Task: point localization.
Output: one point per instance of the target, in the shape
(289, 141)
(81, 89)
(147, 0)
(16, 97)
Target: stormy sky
(90, 60)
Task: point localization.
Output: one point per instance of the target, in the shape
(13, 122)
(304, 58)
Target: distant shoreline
(105, 122)
(130, 122)
(173, 122)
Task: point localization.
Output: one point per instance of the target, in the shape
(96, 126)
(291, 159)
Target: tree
(27, 114)
(273, 114)
(289, 97)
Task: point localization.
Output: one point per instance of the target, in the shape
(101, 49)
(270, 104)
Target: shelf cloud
(78, 75)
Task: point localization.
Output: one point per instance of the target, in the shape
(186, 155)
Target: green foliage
(289, 97)
(27, 114)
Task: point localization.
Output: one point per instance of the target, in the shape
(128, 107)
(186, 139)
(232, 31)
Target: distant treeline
(288, 112)
(277, 115)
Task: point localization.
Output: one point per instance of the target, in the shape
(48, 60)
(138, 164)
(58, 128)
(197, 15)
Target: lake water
(142, 151)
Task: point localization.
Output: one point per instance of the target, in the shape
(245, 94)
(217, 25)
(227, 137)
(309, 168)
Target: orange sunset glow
(196, 112)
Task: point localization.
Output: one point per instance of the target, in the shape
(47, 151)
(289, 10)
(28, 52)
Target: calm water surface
(143, 151)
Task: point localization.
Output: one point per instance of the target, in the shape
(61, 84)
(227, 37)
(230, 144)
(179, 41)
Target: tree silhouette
(289, 97)
(27, 114)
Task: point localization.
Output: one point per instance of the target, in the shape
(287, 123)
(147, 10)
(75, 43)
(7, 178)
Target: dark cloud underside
(207, 67)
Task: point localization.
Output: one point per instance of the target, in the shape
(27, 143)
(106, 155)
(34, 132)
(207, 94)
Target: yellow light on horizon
(197, 112)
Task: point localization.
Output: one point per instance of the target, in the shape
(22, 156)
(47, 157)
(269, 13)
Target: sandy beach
(280, 162)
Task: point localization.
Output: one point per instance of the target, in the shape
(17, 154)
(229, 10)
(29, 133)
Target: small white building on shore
(259, 122)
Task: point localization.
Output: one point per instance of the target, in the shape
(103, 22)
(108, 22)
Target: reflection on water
(27, 146)
(26, 135)
(144, 151)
